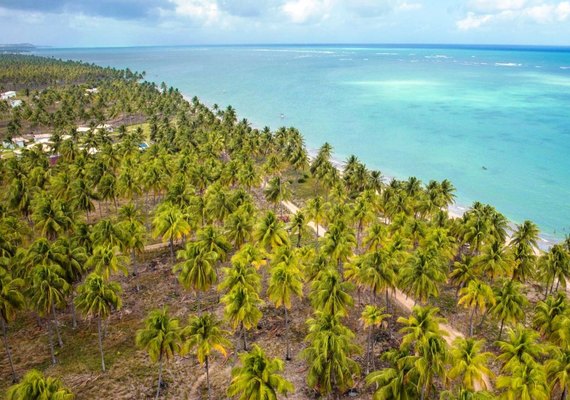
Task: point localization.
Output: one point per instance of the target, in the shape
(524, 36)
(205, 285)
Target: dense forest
(154, 247)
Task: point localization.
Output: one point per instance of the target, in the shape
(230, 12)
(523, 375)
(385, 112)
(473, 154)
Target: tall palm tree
(242, 310)
(239, 227)
(509, 303)
(170, 224)
(558, 370)
(378, 273)
(203, 335)
(48, 291)
(35, 386)
(286, 281)
(270, 232)
(161, 338)
(548, 312)
(521, 347)
(11, 301)
(316, 212)
(197, 270)
(372, 317)
(399, 381)
(106, 260)
(525, 382)
(470, 364)
(331, 345)
(330, 294)
(277, 190)
(97, 298)
(132, 225)
(298, 225)
(422, 322)
(258, 377)
(421, 275)
(477, 295)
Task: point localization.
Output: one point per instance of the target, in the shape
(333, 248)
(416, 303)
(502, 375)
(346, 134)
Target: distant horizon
(489, 46)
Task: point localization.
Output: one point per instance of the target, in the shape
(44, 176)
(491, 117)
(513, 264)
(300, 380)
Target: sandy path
(450, 333)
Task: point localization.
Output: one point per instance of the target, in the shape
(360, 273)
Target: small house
(7, 95)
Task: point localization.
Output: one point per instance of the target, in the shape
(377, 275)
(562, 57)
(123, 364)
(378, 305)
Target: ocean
(493, 120)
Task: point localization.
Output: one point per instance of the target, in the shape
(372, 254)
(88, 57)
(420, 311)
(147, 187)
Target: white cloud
(207, 11)
(405, 6)
(492, 6)
(484, 12)
(473, 21)
(303, 11)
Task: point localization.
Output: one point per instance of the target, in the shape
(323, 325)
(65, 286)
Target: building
(15, 103)
(7, 95)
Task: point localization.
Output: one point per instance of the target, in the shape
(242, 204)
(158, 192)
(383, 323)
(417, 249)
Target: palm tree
(239, 227)
(97, 298)
(421, 275)
(197, 270)
(205, 335)
(11, 301)
(397, 382)
(107, 260)
(277, 191)
(35, 386)
(558, 369)
(526, 382)
(132, 225)
(509, 303)
(477, 295)
(495, 261)
(160, 338)
(258, 377)
(422, 322)
(522, 347)
(548, 311)
(47, 291)
(49, 217)
(298, 225)
(270, 232)
(338, 242)
(316, 212)
(372, 317)
(378, 273)
(242, 310)
(286, 281)
(331, 370)
(170, 224)
(330, 294)
(470, 364)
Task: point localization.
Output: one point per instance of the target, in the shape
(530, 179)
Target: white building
(7, 95)
(15, 103)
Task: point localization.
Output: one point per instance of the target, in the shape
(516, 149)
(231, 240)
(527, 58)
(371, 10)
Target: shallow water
(433, 113)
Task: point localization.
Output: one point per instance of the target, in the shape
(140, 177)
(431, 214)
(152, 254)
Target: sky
(85, 23)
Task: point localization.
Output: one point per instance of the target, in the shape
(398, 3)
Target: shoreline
(455, 210)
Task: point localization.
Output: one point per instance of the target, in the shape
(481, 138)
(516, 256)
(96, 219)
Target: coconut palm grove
(153, 247)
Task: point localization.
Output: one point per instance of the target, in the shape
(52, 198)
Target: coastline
(455, 210)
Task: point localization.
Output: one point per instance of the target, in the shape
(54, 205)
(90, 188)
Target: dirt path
(450, 333)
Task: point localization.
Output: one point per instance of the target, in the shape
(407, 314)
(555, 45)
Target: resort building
(7, 95)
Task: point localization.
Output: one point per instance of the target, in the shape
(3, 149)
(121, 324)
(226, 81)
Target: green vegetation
(178, 212)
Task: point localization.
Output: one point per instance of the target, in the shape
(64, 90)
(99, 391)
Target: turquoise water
(433, 113)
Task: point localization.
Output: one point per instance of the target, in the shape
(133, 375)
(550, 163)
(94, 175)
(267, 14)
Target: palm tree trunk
(100, 343)
(159, 377)
(8, 353)
(501, 330)
(60, 342)
(208, 376)
(287, 351)
(244, 333)
(564, 393)
(135, 267)
(368, 350)
(50, 340)
(73, 313)
(171, 245)
(199, 301)
(471, 322)
(387, 294)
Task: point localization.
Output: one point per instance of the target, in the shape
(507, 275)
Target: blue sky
(179, 22)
